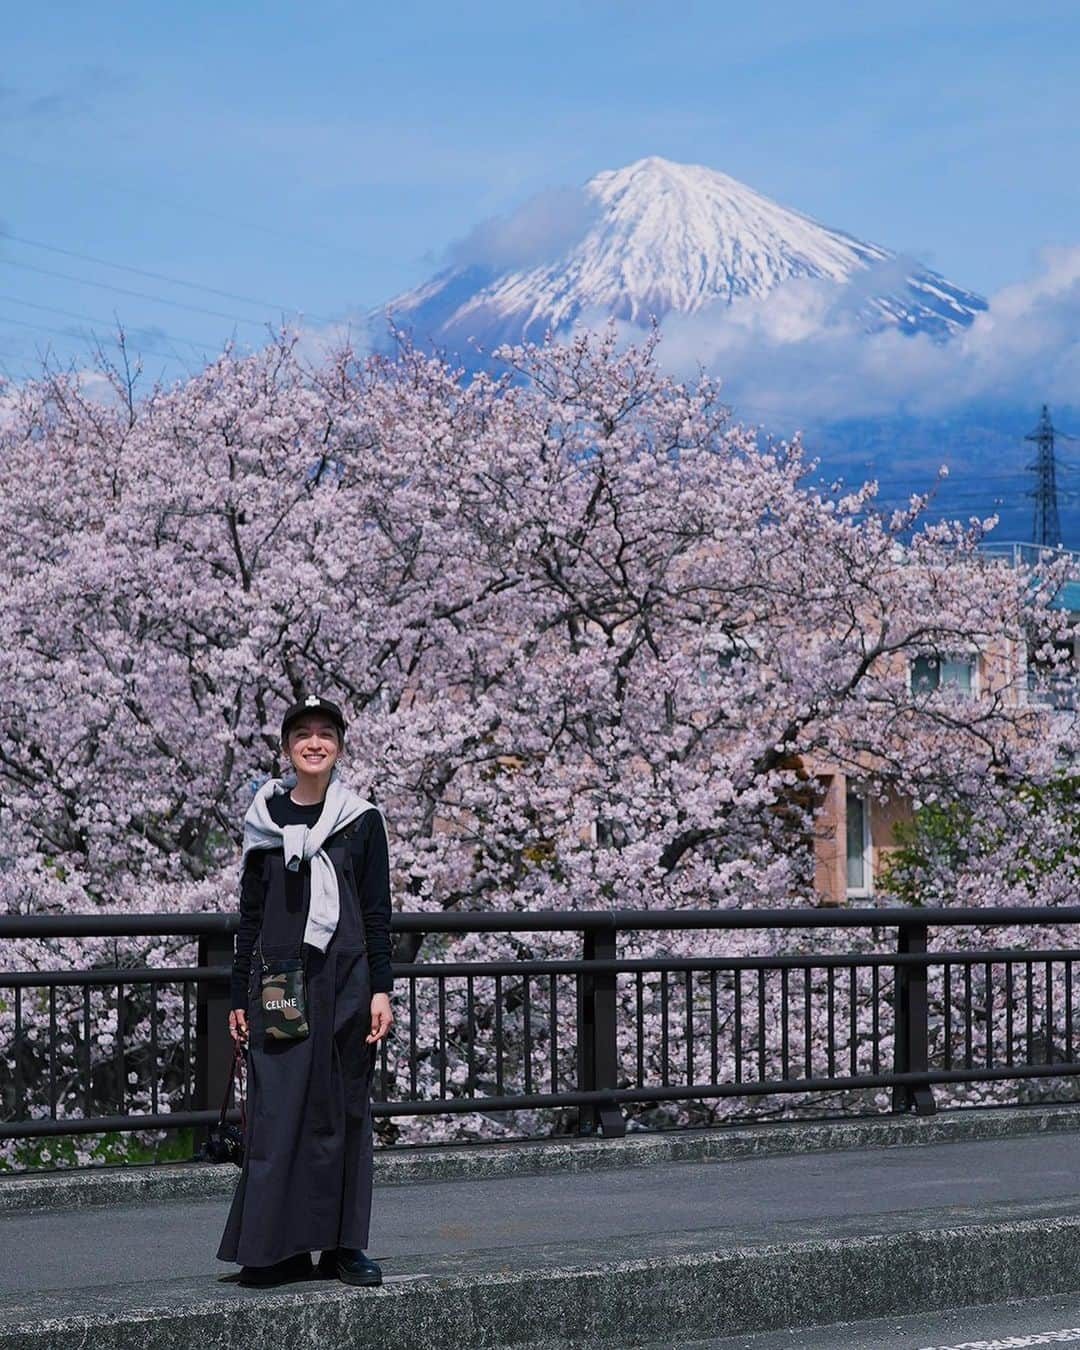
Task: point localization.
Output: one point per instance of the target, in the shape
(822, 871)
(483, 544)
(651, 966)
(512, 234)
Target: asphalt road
(1004, 1326)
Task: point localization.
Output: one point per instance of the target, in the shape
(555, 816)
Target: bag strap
(235, 1079)
(225, 1101)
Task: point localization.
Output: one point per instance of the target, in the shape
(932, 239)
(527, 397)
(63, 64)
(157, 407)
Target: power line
(908, 487)
(956, 508)
(968, 494)
(200, 347)
(178, 204)
(112, 342)
(989, 501)
(161, 276)
(138, 295)
(964, 509)
(945, 504)
(956, 487)
(28, 370)
(40, 327)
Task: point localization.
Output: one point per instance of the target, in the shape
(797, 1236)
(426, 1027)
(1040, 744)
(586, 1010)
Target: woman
(315, 882)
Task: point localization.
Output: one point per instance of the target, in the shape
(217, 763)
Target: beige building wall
(830, 841)
(830, 850)
(883, 818)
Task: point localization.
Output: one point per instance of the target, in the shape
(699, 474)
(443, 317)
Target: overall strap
(342, 839)
(303, 925)
(347, 835)
(265, 892)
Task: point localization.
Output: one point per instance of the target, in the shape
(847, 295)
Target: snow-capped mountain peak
(689, 235)
(657, 237)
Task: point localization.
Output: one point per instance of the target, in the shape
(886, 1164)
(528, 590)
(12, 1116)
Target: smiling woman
(315, 904)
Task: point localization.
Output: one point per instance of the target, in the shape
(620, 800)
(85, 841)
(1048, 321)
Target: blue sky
(322, 157)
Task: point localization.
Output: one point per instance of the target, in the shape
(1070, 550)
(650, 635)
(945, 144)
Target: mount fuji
(658, 238)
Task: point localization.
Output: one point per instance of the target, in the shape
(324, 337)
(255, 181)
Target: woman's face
(313, 744)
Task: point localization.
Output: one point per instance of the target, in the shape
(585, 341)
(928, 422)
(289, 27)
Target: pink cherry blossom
(596, 642)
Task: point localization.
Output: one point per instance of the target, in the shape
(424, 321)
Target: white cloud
(540, 230)
(800, 354)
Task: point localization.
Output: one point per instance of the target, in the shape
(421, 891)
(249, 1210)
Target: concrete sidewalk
(665, 1252)
(78, 1187)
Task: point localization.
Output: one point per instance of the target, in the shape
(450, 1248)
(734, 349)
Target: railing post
(911, 1014)
(598, 1048)
(213, 1044)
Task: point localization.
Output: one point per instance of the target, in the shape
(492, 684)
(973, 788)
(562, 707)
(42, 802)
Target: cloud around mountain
(537, 232)
(803, 323)
(801, 356)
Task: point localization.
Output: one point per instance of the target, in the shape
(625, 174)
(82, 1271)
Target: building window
(932, 672)
(859, 876)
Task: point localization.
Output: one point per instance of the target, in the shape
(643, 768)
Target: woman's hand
(238, 1026)
(382, 1019)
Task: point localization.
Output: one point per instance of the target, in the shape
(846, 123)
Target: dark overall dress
(306, 1180)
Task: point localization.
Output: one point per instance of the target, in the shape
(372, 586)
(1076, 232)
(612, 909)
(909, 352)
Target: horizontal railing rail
(589, 1034)
(570, 921)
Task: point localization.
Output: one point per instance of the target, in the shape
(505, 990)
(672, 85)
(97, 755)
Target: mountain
(657, 237)
(767, 284)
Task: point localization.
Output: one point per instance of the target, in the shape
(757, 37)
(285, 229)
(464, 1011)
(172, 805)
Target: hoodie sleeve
(251, 911)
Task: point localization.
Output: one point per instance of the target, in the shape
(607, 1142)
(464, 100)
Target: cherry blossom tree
(595, 641)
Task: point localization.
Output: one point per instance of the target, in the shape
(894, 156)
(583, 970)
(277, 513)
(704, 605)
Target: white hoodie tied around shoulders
(341, 805)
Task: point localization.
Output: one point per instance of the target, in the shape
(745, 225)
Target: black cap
(313, 704)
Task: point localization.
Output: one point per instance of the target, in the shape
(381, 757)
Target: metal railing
(597, 1032)
(1020, 552)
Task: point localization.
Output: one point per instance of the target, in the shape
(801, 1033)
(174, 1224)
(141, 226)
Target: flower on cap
(312, 701)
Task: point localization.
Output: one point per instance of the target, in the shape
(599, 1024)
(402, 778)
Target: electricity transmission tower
(1046, 531)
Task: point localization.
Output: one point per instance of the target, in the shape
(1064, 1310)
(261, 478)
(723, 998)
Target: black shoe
(350, 1265)
(296, 1267)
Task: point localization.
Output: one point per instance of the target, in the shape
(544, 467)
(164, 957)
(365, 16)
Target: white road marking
(1062, 1337)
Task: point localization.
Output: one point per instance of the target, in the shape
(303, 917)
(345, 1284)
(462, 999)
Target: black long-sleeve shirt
(371, 863)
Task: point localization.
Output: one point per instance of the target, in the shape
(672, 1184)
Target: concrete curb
(565, 1302)
(76, 1189)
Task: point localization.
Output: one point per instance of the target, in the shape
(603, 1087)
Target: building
(856, 833)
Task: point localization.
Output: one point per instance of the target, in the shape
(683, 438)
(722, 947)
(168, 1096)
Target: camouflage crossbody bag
(283, 995)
